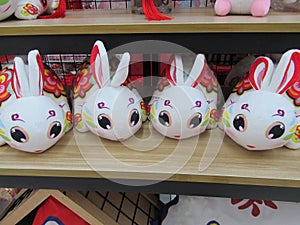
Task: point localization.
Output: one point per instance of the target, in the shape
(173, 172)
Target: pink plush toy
(254, 7)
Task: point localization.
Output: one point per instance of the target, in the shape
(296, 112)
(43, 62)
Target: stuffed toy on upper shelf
(258, 8)
(32, 9)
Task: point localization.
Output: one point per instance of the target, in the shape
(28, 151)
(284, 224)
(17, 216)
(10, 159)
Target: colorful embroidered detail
(52, 84)
(294, 93)
(255, 211)
(5, 84)
(68, 121)
(296, 135)
(83, 83)
(29, 9)
(78, 120)
(214, 116)
(242, 86)
(209, 81)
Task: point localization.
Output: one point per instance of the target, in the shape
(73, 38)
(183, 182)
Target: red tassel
(151, 11)
(59, 12)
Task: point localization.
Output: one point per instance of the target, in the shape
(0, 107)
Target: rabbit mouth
(38, 151)
(251, 146)
(177, 136)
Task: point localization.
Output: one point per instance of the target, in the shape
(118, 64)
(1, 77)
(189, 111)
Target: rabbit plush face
(113, 113)
(32, 121)
(109, 110)
(265, 118)
(181, 110)
(33, 130)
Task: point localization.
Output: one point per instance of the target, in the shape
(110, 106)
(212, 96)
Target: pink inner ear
(42, 72)
(201, 75)
(170, 77)
(284, 85)
(98, 77)
(16, 84)
(256, 77)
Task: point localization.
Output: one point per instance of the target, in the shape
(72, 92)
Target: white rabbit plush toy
(185, 107)
(257, 8)
(102, 104)
(31, 9)
(263, 110)
(34, 112)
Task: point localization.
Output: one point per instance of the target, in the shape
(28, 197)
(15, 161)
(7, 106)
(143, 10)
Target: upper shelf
(153, 157)
(198, 20)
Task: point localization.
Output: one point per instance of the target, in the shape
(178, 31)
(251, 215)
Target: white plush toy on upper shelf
(32, 9)
(257, 8)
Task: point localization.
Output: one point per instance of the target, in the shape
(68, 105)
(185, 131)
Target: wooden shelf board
(84, 155)
(200, 20)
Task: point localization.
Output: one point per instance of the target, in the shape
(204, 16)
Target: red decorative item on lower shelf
(53, 212)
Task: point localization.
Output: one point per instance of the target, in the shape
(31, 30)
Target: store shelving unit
(82, 162)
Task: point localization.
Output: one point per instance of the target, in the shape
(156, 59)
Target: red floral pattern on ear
(83, 82)
(243, 85)
(255, 204)
(294, 93)
(209, 80)
(52, 84)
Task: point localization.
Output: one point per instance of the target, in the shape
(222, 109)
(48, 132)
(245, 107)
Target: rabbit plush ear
(20, 82)
(100, 64)
(287, 71)
(197, 71)
(122, 71)
(35, 73)
(260, 73)
(175, 74)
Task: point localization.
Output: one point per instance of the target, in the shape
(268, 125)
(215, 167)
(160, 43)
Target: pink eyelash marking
(51, 114)
(280, 112)
(245, 107)
(15, 117)
(197, 104)
(101, 105)
(131, 101)
(168, 103)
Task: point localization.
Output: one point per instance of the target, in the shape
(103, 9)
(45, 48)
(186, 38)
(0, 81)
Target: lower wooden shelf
(210, 158)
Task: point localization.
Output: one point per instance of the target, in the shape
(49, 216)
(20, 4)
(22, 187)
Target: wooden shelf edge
(200, 20)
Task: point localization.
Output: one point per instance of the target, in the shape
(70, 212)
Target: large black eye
(165, 118)
(19, 134)
(275, 130)
(104, 121)
(240, 122)
(134, 117)
(195, 120)
(54, 129)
